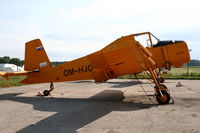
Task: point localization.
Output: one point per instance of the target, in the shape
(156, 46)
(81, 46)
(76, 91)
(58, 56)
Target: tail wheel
(46, 93)
(163, 98)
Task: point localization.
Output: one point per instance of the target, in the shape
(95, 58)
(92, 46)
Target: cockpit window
(164, 43)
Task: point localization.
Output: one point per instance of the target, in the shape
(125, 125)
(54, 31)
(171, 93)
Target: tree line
(18, 62)
(8, 60)
(194, 63)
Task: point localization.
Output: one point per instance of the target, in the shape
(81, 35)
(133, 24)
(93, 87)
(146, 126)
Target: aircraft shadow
(116, 84)
(123, 84)
(73, 113)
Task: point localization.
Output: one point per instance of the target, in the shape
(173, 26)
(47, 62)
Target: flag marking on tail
(39, 48)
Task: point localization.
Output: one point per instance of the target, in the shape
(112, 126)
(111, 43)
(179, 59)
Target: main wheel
(165, 97)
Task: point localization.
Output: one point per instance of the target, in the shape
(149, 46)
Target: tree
(15, 61)
(6, 59)
(194, 63)
(2, 60)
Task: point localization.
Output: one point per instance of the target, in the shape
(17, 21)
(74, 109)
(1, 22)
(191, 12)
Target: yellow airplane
(122, 57)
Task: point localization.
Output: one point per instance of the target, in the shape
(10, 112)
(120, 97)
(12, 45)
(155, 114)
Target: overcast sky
(70, 29)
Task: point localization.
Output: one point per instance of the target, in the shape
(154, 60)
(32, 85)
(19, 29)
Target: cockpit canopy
(164, 43)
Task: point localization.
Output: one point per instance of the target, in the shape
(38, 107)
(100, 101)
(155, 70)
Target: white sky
(71, 29)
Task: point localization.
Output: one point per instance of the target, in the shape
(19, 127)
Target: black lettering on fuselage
(90, 68)
(69, 72)
(80, 69)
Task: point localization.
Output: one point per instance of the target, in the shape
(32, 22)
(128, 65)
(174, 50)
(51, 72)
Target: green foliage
(15, 61)
(8, 60)
(184, 72)
(2, 60)
(11, 81)
(194, 63)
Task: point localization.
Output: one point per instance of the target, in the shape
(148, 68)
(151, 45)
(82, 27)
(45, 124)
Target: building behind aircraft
(10, 68)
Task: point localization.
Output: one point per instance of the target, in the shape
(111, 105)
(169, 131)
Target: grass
(183, 73)
(11, 81)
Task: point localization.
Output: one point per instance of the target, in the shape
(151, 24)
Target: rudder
(35, 56)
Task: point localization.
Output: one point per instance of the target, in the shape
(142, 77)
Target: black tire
(46, 93)
(164, 100)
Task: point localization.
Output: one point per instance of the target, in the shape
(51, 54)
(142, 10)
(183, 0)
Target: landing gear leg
(161, 92)
(47, 92)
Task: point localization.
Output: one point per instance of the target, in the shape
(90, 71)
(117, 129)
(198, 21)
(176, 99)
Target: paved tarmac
(117, 106)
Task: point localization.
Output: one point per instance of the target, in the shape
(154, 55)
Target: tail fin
(35, 56)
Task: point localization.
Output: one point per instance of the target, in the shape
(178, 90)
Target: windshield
(146, 38)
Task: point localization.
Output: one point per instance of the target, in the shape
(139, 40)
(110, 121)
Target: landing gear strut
(47, 92)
